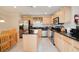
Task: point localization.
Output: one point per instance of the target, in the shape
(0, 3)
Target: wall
(75, 10)
(14, 21)
(11, 20)
(5, 16)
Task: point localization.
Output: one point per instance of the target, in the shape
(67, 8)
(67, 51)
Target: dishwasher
(45, 32)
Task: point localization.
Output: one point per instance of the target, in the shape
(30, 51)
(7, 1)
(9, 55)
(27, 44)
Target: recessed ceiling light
(2, 21)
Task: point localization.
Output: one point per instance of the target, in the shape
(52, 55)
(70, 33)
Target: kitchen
(54, 24)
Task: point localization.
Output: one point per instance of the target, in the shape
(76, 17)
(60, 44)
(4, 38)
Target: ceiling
(30, 10)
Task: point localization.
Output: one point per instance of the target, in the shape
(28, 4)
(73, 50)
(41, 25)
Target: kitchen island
(30, 42)
(65, 42)
(43, 31)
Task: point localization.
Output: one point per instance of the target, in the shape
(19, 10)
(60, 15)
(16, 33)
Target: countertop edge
(65, 34)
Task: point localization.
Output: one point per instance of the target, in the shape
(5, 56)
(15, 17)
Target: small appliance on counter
(75, 33)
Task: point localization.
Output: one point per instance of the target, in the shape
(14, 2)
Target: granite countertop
(67, 35)
(43, 28)
(62, 33)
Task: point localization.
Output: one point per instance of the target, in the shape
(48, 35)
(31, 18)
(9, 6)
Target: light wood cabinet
(61, 43)
(67, 13)
(24, 18)
(47, 20)
(64, 15)
(75, 46)
(58, 41)
(61, 15)
(74, 49)
(65, 44)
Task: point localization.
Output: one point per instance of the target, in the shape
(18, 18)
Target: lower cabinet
(75, 46)
(67, 47)
(60, 43)
(74, 49)
(65, 44)
(58, 40)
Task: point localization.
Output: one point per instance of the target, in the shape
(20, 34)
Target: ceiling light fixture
(2, 20)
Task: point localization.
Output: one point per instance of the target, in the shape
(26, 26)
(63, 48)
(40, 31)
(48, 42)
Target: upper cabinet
(47, 20)
(60, 14)
(44, 19)
(68, 14)
(26, 17)
(64, 14)
(37, 19)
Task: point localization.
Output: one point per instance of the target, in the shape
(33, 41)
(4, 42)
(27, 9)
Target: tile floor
(44, 46)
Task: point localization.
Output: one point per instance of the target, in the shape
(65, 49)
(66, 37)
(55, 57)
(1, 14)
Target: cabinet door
(75, 45)
(67, 44)
(75, 49)
(61, 43)
(67, 14)
(47, 19)
(56, 39)
(60, 14)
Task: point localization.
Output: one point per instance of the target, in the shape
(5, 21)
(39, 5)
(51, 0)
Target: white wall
(75, 10)
(12, 20)
(4, 16)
